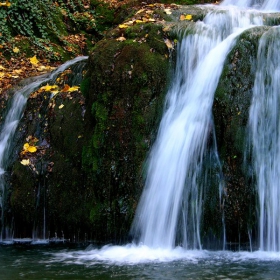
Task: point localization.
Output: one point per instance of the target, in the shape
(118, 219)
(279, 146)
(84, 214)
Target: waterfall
(175, 164)
(264, 125)
(12, 119)
(269, 5)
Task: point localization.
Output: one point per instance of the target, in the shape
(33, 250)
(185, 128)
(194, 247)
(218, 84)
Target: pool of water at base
(133, 262)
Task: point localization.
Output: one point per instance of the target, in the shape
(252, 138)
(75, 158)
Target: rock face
(124, 102)
(231, 111)
(85, 179)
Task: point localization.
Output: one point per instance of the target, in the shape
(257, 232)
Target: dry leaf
(168, 43)
(168, 11)
(49, 88)
(26, 146)
(16, 50)
(66, 88)
(74, 88)
(61, 106)
(25, 162)
(34, 60)
(121, 39)
(6, 4)
(123, 26)
(32, 149)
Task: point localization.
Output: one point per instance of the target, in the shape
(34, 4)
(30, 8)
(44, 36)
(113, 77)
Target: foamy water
(131, 254)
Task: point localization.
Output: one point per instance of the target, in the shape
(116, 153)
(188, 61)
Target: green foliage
(104, 15)
(44, 22)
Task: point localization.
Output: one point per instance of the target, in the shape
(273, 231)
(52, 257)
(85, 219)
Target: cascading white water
(269, 5)
(8, 129)
(176, 159)
(264, 125)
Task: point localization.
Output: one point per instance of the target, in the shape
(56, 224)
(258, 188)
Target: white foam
(133, 255)
(129, 254)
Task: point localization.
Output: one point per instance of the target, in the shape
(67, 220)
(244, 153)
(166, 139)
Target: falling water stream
(8, 129)
(167, 224)
(265, 137)
(177, 156)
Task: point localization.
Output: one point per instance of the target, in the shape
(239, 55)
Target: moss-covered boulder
(231, 112)
(124, 98)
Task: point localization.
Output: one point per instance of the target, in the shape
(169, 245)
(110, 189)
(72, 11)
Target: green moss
(85, 86)
(231, 111)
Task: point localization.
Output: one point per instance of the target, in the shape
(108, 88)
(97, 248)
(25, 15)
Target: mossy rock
(124, 105)
(23, 199)
(231, 112)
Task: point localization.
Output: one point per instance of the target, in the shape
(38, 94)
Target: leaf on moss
(168, 11)
(61, 106)
(66, 88)
(121, 39)
(74, 88)
(182, 17)
(49, 87)
(16, 50)
(185, 17)
(25, 162)
(32, 149)
(26, 146)
(123, 26)
(168, 43)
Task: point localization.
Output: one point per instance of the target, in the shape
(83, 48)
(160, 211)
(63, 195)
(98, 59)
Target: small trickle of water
(11, 122)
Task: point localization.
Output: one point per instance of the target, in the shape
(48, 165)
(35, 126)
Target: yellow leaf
(6, 4)
(16, 50)
(25, 162)
(188, 17)
(73, 88)
(2, 68)
(26, 146)
(34, 60)
(138, 21)
(123, 26)
(32, 149)
(140, 11)
(61, 106)
(49, 88)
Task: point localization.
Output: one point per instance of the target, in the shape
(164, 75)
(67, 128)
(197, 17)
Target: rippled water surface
(131, 262)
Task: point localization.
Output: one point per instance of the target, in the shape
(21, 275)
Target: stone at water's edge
(231, 112)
